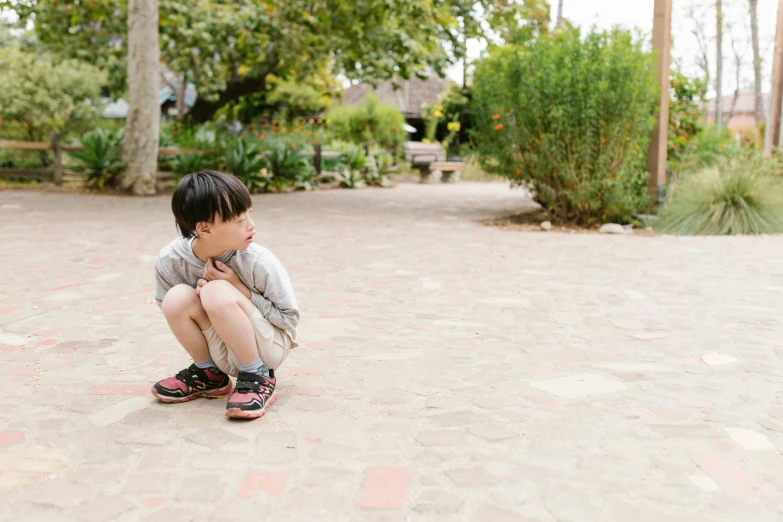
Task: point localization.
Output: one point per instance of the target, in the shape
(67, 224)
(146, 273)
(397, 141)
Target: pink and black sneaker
(254, 393)
(192, 383)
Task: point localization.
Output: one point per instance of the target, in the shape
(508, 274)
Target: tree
(754, 31)
(40, 95)
(739, 58)
(559, 14)
(229, 49)
(140, 151)
(719, 64)
(699, 33)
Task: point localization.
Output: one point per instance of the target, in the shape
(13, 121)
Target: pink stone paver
(8, 310)
(732, 476)
(10, 437)
(384, 488)
(257, 483)
(46, 333)
(424, 331)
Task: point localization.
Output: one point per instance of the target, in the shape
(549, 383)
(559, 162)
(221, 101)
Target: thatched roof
(411, 96)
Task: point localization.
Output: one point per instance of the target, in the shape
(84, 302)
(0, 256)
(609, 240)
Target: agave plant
(101, 158)
(243, 159)
(187, 163)
(351, 155)
(351, 179)
(288, 167)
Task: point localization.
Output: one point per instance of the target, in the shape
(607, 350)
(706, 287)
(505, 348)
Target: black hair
(206, 195)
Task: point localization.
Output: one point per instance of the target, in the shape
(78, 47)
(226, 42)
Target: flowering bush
(570, 118)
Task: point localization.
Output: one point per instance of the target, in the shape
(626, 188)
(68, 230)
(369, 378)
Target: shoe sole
(236, 413)
(214, 394)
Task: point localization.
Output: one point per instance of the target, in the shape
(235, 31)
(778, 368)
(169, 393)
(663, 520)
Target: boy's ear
(203, 228)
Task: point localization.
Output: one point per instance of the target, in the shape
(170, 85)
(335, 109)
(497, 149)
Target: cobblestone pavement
(448, 371)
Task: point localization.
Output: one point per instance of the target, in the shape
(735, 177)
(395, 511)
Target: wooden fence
(56, 172)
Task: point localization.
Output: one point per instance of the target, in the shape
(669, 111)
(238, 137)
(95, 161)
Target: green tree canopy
(41, 95)
(229, 48)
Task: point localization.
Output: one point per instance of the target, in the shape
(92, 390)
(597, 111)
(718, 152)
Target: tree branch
(203, 110)
(232, 58)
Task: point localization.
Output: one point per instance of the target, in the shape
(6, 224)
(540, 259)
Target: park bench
(430, 158)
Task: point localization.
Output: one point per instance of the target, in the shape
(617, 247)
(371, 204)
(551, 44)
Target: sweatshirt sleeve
(273, 294)
(162, 285)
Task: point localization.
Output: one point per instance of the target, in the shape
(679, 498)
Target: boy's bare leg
(187, 319)
(229, 313)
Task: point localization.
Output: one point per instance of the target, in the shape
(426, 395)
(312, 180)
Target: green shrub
(41, 95)
(357, 169)
(287, 167)
(189, 163)
(448, 120)
(686, 116)
(243, 158)
(101, 158)
(369, 123)
(570, 118)
(740, 196)
(709, 148)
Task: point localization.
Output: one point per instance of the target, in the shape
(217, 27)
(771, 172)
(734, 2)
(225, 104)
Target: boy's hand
(201, 282)
(217, 271)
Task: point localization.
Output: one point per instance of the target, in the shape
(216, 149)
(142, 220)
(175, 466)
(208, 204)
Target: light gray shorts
(273, 346)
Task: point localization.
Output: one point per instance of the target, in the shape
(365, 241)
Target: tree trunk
(754, 31)
(140, 152)
(559, 14)
(719, 65)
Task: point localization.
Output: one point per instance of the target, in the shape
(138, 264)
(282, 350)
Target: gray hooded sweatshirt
(257, 268)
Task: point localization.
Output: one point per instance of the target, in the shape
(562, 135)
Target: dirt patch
(531, 222)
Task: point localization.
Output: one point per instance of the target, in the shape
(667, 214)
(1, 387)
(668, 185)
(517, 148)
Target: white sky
(639, 14)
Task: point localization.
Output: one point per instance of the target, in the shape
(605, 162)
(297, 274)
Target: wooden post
(57, 157)
(772, 135)
(317, 157)
(662, 41)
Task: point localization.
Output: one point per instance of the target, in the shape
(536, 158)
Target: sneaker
(253, 394)
(192, 383)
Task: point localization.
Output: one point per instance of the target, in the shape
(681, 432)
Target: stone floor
(448, 371)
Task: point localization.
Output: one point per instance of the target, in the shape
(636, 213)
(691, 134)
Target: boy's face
(231, 235)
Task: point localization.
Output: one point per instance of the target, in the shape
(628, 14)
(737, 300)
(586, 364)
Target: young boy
(228, 301)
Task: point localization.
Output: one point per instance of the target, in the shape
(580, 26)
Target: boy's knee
(217, 294)
(179, 299)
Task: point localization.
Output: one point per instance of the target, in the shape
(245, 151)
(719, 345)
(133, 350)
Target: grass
(742, 196)
(473, 172)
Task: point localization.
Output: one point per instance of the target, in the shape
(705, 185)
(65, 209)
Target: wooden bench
(429, 159)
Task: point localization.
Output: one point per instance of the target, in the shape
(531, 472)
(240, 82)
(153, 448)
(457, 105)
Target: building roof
(411, 96)
(169, 83)
(746, 104)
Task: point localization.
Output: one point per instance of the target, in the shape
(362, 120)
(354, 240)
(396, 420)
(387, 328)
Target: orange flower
(499, 126)
(518, 173)
(496, 117)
